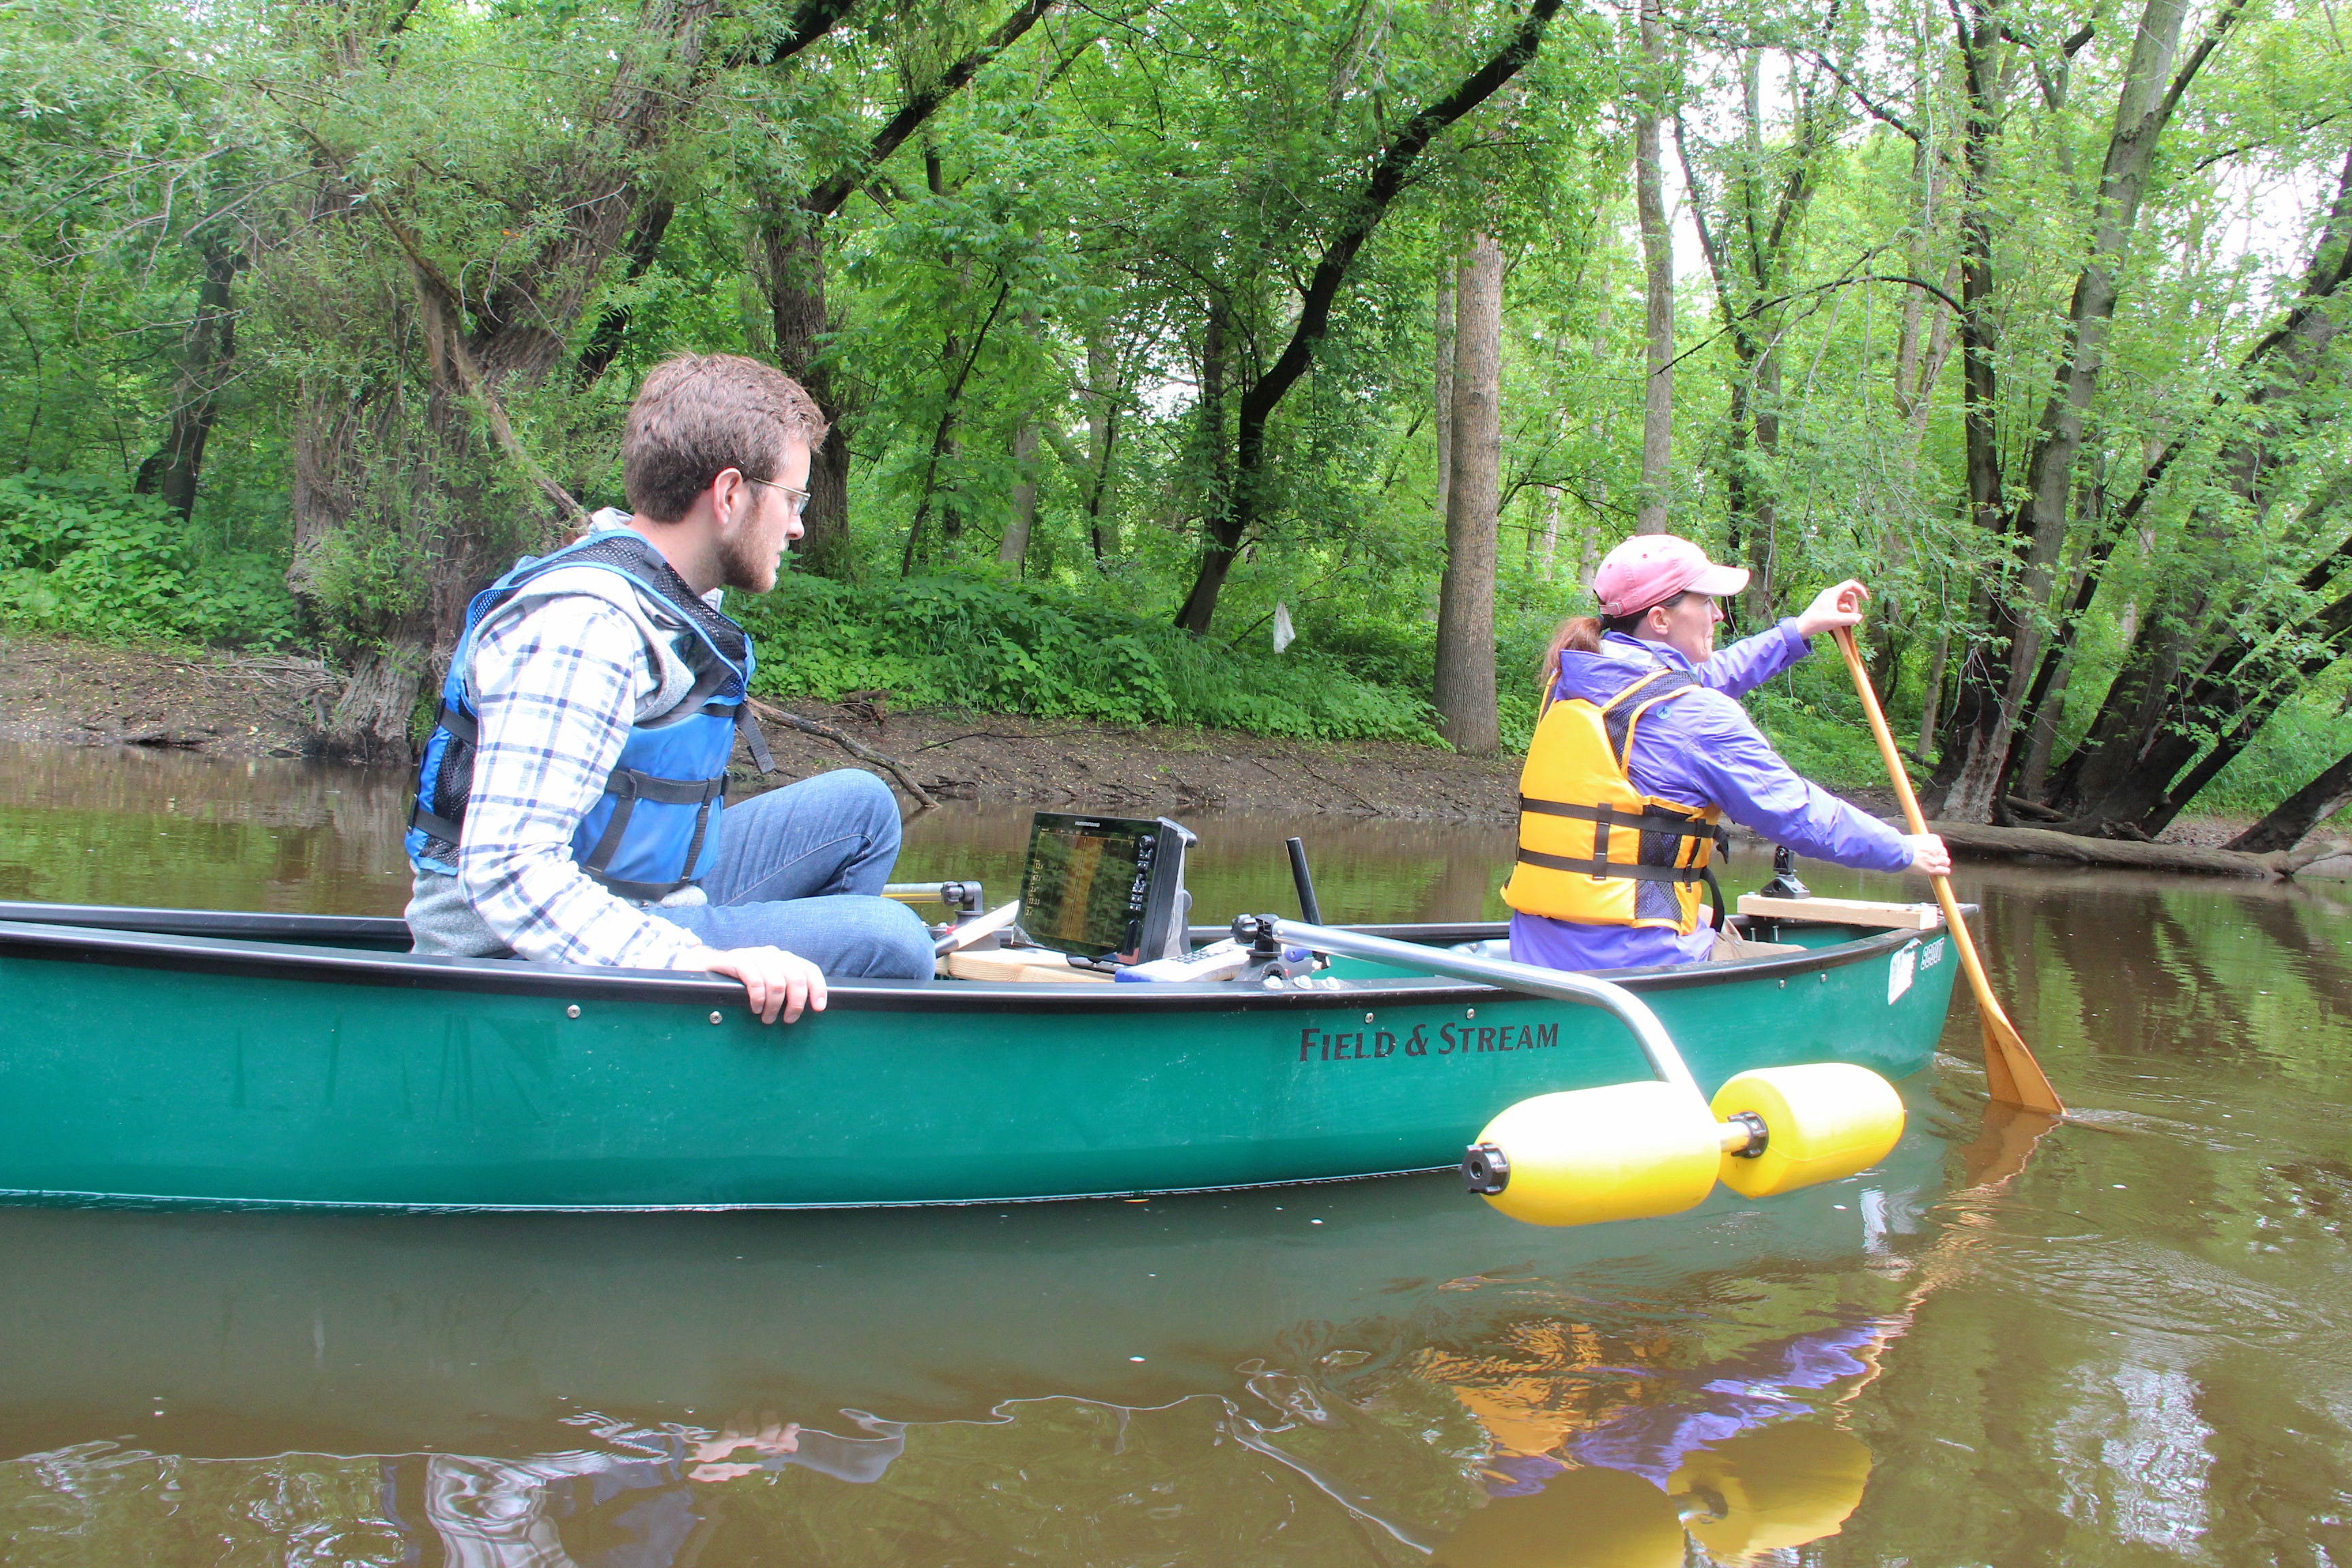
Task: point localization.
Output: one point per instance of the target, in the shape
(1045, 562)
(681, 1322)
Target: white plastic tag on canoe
(1933, 954)
(1899, 972)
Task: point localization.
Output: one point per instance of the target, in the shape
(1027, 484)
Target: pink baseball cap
(1650, 568)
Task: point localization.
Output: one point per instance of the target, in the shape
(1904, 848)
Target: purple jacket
(1701, 750)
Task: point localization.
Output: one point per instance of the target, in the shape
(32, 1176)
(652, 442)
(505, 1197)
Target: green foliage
(1814, 720)
(1006, 647)
(1049, 305)
(77, 555)
(2307, 738)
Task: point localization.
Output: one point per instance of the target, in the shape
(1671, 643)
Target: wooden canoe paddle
(2011, 1075)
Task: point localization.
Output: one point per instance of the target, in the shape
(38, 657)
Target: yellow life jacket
(1592, 848)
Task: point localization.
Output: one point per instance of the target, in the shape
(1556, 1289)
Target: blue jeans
(801, 867)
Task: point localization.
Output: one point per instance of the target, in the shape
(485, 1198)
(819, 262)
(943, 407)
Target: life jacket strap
(1610, 817)
(1614, 869)
(641, 893)
(628, 786)
(459, 723)
(755, 737)
(440, 828)
(448, 829)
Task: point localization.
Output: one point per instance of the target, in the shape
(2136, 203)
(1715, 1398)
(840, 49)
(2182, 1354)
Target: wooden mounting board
(1844, 911)
(1023, 964)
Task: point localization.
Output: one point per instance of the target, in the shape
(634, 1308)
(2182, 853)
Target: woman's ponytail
(1582, 633)
(1579, 634)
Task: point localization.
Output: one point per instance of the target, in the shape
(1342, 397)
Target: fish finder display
(1087, 887)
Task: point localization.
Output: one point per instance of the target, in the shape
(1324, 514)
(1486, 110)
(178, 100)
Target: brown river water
(2123, 1343)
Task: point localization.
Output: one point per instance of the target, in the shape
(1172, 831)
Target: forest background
(1278, 368)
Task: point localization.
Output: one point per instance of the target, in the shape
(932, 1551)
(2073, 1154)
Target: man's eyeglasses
(798, 498)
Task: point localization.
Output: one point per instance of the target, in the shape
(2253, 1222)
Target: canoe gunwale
(91, 942)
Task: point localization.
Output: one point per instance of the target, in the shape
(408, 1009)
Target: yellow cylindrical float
(1823, 1121)
(1631, 1151)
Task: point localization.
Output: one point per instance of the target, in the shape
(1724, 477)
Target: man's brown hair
(697, 414)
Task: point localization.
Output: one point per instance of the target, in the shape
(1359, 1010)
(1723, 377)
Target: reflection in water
(634, 1498)
(665, 1497)
(1766, 1491)
(121, 824)
(125, 825)
(2129, 1348)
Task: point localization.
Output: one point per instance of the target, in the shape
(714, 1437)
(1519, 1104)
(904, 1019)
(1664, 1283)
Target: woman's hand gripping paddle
(2011, 1075)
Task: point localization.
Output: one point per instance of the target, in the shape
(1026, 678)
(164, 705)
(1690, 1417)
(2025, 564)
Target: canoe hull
(140, 1068)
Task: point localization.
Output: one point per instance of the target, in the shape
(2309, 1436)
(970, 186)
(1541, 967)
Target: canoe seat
(1018, 964)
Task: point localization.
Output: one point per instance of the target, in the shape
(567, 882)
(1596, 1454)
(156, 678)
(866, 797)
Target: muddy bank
(1002, 758)
(90, 694)
(58, 691)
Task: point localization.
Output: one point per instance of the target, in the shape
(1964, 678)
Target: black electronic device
(1107, 887)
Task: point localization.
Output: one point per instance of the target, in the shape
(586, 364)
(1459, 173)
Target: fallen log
(1975, 839)
(856, 748)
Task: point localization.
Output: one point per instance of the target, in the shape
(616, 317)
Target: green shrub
(2310, 733)
(79, 555)
(1814, 720)
(1017, 648)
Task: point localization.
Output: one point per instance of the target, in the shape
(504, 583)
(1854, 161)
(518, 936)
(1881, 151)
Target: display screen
(1083, 891)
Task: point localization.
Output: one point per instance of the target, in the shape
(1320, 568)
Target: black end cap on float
(1485, 1170)
(1759, 1137)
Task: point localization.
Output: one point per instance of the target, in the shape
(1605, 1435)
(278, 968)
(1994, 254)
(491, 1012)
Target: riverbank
(58, 691)
(55, 690)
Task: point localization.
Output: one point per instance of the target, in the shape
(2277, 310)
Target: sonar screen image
(1083, 890)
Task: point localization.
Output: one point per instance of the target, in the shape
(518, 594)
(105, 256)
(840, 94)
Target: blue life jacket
(656, 829)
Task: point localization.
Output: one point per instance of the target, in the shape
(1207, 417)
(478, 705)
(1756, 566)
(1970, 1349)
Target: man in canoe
(1642, 747)
(569, 802)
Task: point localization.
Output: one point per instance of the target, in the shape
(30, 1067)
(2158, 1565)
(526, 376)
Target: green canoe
(231, 1061)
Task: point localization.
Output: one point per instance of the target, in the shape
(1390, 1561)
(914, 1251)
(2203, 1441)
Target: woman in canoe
(1642, 747)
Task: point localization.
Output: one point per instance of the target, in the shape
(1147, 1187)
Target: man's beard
(743, 564)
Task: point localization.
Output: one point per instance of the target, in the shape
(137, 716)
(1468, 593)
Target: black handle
(1309, 910)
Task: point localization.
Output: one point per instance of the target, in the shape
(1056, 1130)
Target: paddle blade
(2011, 1075)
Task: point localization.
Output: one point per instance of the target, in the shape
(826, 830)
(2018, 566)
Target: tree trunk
(2046, 844)
(1200, 607)
(792, 239)
(1235, 511)
(2165, 701)
(1979, 37)
(1014, 550)
(1441, 420)
(1464, 683)
(1104, 394)
(1657, 281)
(1932, 699)
(613, 327)
(1764, 513)
(943, 441)
(173, 472)
(2044, 735)
(1747, 246)
(1996, 685)
(792, 260)
(2299, 813)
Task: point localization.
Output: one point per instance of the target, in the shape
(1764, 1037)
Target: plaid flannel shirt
(556, 688)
